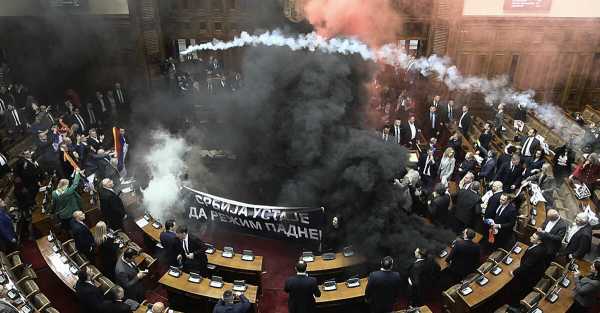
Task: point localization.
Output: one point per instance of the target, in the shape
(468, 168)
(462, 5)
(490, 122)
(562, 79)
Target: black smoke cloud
(298, 132)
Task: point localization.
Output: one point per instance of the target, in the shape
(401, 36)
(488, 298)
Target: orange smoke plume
(374, 22)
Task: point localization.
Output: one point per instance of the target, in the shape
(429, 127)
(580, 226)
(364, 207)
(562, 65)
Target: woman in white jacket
(447, 166)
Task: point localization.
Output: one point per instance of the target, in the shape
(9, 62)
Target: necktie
(397, 134)
(120, 96)
(500, 209)
(16, 117)
(185, 246)
(432, 120)
(80, 122)
(3, 160)
(51, 118)
(2, 107)
(92, 116)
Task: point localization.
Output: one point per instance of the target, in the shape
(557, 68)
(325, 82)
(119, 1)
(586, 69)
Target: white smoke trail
(165, 162)
(495, 90)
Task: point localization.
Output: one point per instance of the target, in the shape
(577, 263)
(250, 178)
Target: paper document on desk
(142, 222)
(537, 194)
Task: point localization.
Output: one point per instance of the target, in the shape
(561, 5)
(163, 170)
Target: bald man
(113, 210)
(553, 231)
(578, 238)
(158, 307)
(84, 241)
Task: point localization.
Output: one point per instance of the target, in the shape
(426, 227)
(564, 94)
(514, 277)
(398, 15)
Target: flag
(119, 141)
(69, 159)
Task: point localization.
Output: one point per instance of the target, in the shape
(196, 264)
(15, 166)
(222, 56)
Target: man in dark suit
(503, 220)
(438, 206)
(434, 123)
(464, 257)
(129, 276)
(448, 112)
(587, 289)
(533, 264)
(396, 131)
(383, 287)
(89, 296)
(553, 231)
(467, 207)
(465, 121)
(302, 291)
(488, 167)
(529, 145)
(229, 304)
(485, 138)
(578, 238)
(84, 241)
(491, 206)
(77, 118)
(111, 205)
(116, 304)
(15, 120)
(422, 273)
(410, 132)
(102, 107)
(170, 243)
(120, 97)
(193, 252)
(510, 174)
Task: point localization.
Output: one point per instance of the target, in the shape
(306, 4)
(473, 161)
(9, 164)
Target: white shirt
(527, 146)
(461, 118)
(572, 230)
(550, 225)
(413, 130)
(186, 245)
(397, 133)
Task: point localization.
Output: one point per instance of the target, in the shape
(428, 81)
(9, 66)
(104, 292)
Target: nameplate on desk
(227, 254)
(537, 310)
(13, 294)
(517, 249)
(565, 282)
(195, 278)
(533, 222)
(353, 283)
(156, 225)
(64, 259)
(443, 254)
(247, 257)
(239, 285)
(497, 270)
(142, 222)
(2, 279)
(482, 281)
(534, 212)
(553, 297)
(73, 269)
(55, 248)
(508, 260)
(209, 250)
(50, 238)
(328, 256)
(466, 291)
(329, 286)
(348, 252)
(27, 309)
(174, 272)
(216, 284)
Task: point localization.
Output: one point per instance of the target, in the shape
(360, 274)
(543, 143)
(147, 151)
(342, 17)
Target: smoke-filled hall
(300, 156)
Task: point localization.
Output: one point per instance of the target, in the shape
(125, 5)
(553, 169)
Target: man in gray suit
(129, 276)
(587, 289)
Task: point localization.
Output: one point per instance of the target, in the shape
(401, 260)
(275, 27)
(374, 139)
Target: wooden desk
(60, 269)
(234, 264)
(42, 222)
(482, 293)
(565, 299)
(342, 293)
(319, 265)
(442, 261)
(202, 289)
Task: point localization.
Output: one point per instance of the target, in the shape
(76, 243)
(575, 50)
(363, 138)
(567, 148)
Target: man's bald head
(553, 215)
(107, 183)
(158, 307)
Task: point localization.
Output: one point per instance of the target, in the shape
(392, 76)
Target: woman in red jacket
(588, 172)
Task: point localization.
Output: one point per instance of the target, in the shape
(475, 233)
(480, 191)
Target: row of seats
(23, 277)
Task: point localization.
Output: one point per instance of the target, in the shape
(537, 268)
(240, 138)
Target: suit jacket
(580, 244)
(13, 119)
(90, 297)
(492, 205)
(172, 247)
(396, 135)
(200, 260)
(438, 208)
(445, 113)
(433, 168)
(465, 123)
(488, 169)
(467, 206)
(464, 258)
(535, 145)
(382, 290)
(432, 128)
(485, 139)
(115, 307)
(554, 237)
(301, 290)
(586, 291)
(508, 177)
(507, 221)
(112, 208)
(118, 99)
(407, 134)
(423, 272)
(126, 277)
(533, 264)
(84, 241)
(84, 120)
